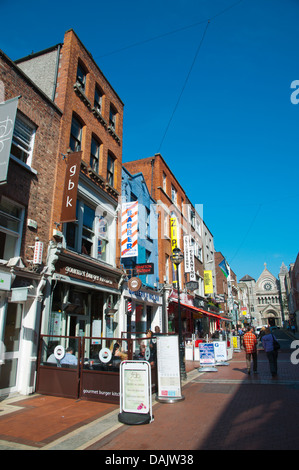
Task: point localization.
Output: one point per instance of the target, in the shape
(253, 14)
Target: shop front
(142, 308)
(21, 296)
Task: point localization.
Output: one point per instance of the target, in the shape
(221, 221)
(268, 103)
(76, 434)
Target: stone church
(265, 299)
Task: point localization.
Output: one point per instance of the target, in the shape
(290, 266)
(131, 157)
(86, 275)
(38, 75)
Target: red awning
(200, 310)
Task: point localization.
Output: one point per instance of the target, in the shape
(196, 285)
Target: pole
(181, 341)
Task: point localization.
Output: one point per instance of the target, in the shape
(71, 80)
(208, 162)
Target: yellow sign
(208, 282)
(174, 232)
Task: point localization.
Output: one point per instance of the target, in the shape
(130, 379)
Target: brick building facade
(25, 207)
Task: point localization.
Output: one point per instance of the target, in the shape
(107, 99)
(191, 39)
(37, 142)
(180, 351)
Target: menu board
(135, 387)
(169, 381)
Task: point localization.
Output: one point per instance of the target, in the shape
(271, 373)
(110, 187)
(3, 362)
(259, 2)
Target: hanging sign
(129, 234)
(174, 232)
(69, 201)
(208, 282)
(8, 111)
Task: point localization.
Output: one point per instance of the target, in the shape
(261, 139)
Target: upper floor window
(81, 76)
(76, 135)
(174, 195)
(164, 182)
(110, 169)
(23, 139)
(112, 117)
(11, 226)
(91, 234)
(98, 98)
(94, 154)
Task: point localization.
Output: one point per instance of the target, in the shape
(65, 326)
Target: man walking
(249, 343)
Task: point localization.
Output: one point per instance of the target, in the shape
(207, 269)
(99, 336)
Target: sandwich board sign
(169, 377)
(135, 393)
(207, 357)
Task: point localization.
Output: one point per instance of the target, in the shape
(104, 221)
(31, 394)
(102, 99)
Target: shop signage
(147, 268)
(206, 354)
(189, 257)
(68, 210)
(129, 233)
(135, 390)
(169, 380)
(38, 253)
(8, 111)
(85, 275)
(134, 284)
(220, 351)
(192, 285)
(144, 295)
(208, 282)
(174, 232)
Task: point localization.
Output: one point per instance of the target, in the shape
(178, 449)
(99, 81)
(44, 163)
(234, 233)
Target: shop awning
(201, 311)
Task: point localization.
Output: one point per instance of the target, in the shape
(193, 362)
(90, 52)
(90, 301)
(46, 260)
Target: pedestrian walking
(268, 342)
(249, 343)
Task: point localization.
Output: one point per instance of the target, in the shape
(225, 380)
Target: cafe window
(11, 226)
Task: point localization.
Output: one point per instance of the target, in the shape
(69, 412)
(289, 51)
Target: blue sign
(206, 353)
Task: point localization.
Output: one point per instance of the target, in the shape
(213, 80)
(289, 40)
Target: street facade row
(80, 229)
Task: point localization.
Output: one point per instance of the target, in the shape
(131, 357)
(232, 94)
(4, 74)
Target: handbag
(276, 344)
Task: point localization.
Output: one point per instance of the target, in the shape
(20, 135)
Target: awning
(200, 310)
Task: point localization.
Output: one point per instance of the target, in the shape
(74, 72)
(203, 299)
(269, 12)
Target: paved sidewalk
(226, 409)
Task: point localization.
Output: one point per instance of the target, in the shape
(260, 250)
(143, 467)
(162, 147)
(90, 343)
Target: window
(102, 233)
(23, 139)
(147, 223)
(112, 117)
(110, 170)
(81, 77)
(76, 135)
(174, 195)
(98, 95)
(92, 233)
(88, 230)
(94, 154)
(11, 225)
(164, 182)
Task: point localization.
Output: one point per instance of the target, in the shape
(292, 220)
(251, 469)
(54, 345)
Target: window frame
(77, 140)
(13, 233)
(18, 142)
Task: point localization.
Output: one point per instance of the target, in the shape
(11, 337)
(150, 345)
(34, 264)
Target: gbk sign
(68, 211)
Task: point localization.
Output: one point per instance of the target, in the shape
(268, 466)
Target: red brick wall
(34, 192)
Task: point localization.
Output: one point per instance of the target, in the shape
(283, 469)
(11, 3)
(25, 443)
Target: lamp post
(176, 258)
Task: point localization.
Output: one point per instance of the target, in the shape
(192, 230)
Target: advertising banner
(8, 111)
(129, 234)
(206, 354)
(208, 282)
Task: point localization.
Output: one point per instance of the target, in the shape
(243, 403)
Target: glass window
(76, 135)
(87, 231)
(102, 239)
(81, 77)
(94, 155)
(173, 194)
(98, 95)
(11, 225)
(110, 170)
(112, 117)
(23, 139)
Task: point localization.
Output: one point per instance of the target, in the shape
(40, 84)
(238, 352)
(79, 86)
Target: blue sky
(213, 98)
